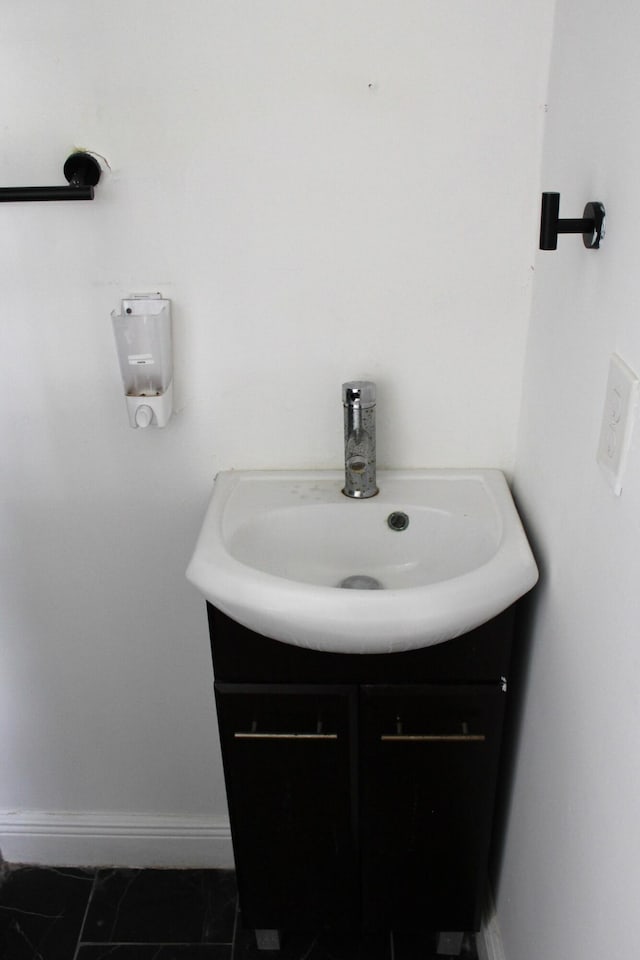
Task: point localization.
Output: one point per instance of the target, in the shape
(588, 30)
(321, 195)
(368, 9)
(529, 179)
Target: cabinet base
(450, 944)
(268, 939)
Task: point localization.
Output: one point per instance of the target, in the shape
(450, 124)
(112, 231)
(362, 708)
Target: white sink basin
(276, 546)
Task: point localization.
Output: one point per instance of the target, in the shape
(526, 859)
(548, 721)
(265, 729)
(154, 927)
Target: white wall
(326, 191)
(570, 884)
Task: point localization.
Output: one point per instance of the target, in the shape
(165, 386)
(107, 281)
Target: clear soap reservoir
(142, 330)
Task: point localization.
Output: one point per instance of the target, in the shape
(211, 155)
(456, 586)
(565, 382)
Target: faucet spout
(359, 402)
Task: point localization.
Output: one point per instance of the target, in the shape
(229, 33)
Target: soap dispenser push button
(144, 415)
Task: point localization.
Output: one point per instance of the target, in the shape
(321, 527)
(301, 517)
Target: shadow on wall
(526, 613)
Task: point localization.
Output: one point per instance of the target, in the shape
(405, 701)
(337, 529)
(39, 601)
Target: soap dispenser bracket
(591, 226)
(82, 172)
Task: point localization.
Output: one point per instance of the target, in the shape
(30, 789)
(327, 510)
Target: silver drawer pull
(285, 736)
(435, 737)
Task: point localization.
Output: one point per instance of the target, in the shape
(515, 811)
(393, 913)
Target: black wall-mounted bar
(82, 172)
(591, 226)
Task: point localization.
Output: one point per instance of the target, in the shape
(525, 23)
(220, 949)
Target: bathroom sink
(433, 555)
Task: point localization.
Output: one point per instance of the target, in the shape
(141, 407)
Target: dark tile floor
(64, 914)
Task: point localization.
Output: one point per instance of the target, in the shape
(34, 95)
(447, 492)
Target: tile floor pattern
(68, 914)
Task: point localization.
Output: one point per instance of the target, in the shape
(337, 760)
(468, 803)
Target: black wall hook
(82, 172)
(591, 226)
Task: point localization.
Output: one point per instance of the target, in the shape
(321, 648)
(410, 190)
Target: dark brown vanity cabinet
(428, 765)
(361, 788)
(288, 759)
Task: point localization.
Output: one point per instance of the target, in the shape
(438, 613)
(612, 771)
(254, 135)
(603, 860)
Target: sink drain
(360, 581)
(398, 520)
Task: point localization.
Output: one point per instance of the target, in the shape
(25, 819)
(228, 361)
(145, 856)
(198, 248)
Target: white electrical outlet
(617, 421)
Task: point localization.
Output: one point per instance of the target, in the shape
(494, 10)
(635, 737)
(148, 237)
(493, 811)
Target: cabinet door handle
(434, 737)
(285, 736)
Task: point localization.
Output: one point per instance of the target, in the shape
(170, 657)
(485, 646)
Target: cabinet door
(290, 770)
(429, 758)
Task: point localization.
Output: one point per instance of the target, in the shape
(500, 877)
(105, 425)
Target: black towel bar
(82, 172)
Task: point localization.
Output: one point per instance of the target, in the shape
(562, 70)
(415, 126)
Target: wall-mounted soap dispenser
(142, 330)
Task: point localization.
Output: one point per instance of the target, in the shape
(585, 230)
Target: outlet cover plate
(618, 416)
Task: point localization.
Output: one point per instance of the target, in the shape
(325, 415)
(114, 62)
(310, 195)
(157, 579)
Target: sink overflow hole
(398, 520)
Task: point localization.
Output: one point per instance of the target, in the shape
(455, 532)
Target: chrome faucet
(359, 402)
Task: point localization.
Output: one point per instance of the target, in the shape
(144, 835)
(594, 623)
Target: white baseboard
(114, 839)
(489, 940)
